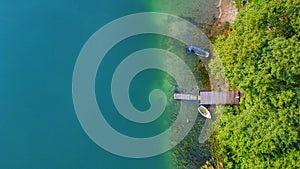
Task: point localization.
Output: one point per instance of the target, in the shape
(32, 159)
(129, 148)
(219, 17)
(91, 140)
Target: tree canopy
(261, 57)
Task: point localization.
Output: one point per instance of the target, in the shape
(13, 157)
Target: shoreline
(220, 26)
(220, 10)
(217, 13)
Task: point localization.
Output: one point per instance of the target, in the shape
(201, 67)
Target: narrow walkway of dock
(180, 96)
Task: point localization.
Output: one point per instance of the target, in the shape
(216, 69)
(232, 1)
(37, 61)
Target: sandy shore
(227, 11)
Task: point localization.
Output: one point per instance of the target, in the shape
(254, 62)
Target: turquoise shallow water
(39, 44)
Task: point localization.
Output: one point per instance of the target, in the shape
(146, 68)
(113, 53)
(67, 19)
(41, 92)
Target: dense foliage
(261, 57)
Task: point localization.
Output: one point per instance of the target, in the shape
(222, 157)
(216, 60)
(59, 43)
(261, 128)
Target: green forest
(261, 58)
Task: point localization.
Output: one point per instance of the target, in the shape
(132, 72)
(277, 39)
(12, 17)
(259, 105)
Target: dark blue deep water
(39, 44)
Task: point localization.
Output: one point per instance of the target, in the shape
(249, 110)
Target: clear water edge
(191, 12)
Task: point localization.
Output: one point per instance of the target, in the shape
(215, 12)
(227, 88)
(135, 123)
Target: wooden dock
(211, 98)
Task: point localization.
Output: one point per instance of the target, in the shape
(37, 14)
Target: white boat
(204, 112)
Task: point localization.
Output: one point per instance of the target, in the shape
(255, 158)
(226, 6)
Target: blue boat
(197, 51)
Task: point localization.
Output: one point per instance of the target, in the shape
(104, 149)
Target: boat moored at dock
(204, 112)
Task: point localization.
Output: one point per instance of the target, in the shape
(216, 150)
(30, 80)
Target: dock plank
(211, 98)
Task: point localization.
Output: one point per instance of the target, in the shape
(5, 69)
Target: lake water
(39, 45)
